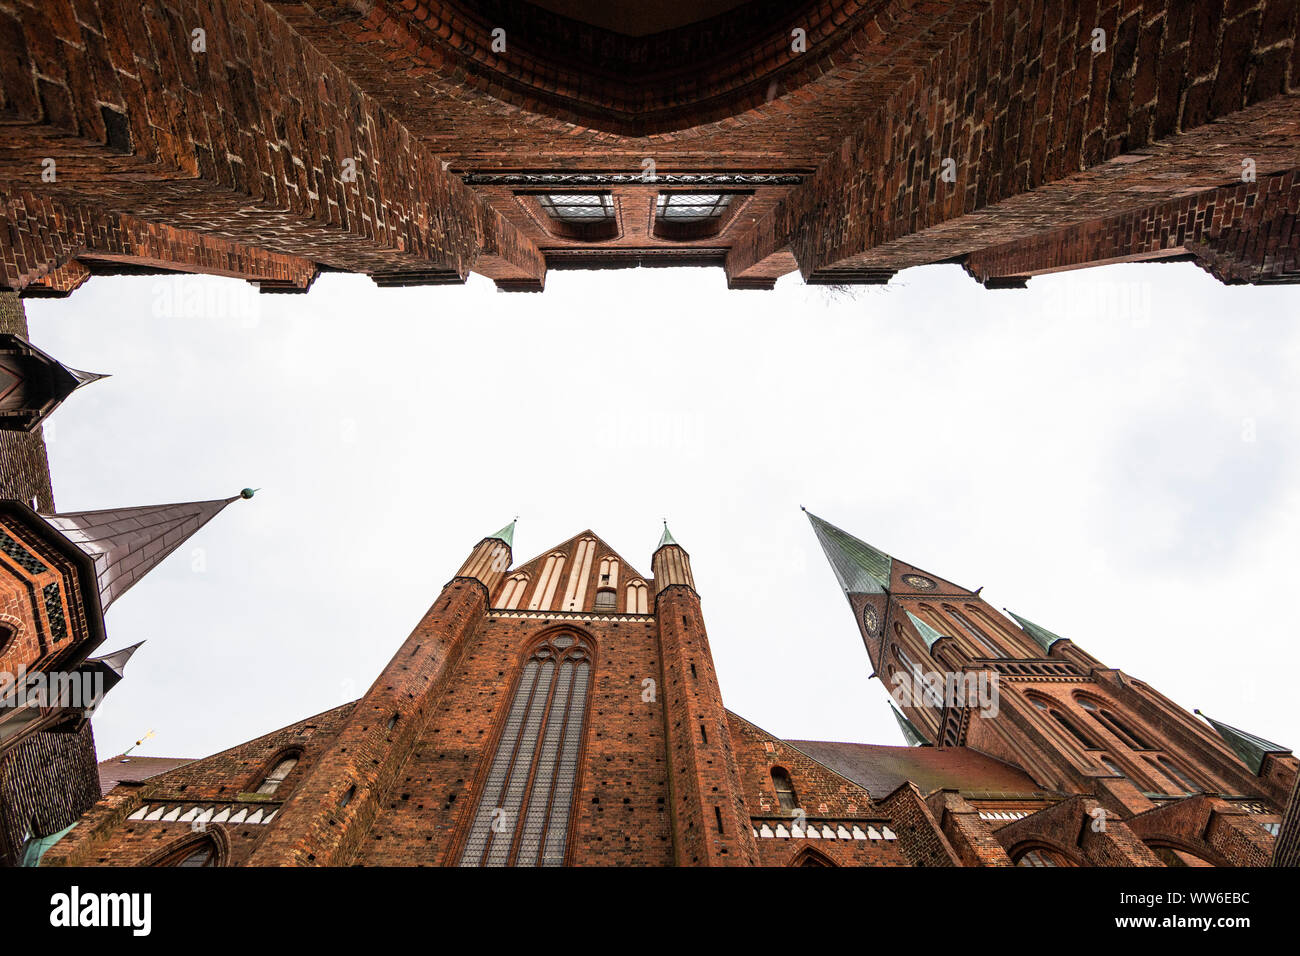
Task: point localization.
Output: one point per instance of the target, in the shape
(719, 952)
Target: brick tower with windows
(1113, 749)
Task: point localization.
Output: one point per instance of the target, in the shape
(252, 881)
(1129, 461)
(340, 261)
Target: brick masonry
(248, 142)
(50, 779)
(663, 774)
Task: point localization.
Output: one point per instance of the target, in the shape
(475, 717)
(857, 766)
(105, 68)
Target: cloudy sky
(1111, 453)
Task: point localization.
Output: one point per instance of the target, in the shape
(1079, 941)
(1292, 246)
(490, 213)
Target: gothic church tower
(1074, 724)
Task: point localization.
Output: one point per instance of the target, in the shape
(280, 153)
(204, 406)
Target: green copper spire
(1248, 747)
(859, 567)
(1042, 635)
(928, 634)
(913, 736)
(506, 534)
(667, 538)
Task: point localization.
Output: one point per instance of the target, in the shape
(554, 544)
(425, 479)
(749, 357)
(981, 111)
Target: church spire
(1248, 747)
(860, 568)
(33, 383)
(1044, 638)
(127, 543)
(913, 736)
(506, 534)
(928, 634)
(671, 564)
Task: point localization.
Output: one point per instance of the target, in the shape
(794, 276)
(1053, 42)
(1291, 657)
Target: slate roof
(122, 769)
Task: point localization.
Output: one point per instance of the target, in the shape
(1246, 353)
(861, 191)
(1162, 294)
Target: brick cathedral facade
(845, 140)
(566, 711)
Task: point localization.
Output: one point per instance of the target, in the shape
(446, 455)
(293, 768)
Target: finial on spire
(911, 734)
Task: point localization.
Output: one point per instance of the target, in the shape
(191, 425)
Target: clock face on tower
(918, 581)
(870, 619)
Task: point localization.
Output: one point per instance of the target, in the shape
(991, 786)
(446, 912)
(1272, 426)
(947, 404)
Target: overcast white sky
(1112, 453)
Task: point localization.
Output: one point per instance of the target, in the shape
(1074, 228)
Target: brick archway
(572, 72)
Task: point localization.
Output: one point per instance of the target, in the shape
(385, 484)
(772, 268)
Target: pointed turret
(913, 736)
(671, 564)
(33, 384)
(491, 558)
(506, 534)
(1251, 749)
(928, 634)
(1041, 635)
(127, 543)
(860, 568)
(112, 666)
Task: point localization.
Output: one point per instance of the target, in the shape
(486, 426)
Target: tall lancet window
(523, 812)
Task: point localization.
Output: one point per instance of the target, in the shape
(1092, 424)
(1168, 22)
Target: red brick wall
(247, 140)
(106, 837)
(39, 235)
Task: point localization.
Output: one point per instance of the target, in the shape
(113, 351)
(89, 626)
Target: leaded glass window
(578, 207)
(1041, 856)
(523, 812)
(277, 775)
(784, 787)
(691, 207)
(201, 854)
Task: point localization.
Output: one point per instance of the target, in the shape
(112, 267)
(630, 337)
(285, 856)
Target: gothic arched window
(975, 633)
(1173, 772)
(282, 769)
(523, 811)
(1042, 856)
(1074, 730)
(784, 787)
(7, 634)
(202, 853)
(1114, 724)
(1112, 766)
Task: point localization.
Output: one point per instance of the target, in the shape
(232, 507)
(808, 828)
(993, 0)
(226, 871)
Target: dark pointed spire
(85, 378)
(666, 538)
(33, 383)
(506, 534)
(860, 568)
(1248, 747)
(1041, 635)
(116, 662)
(913, 736)
(112, 667)
(127, 543)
